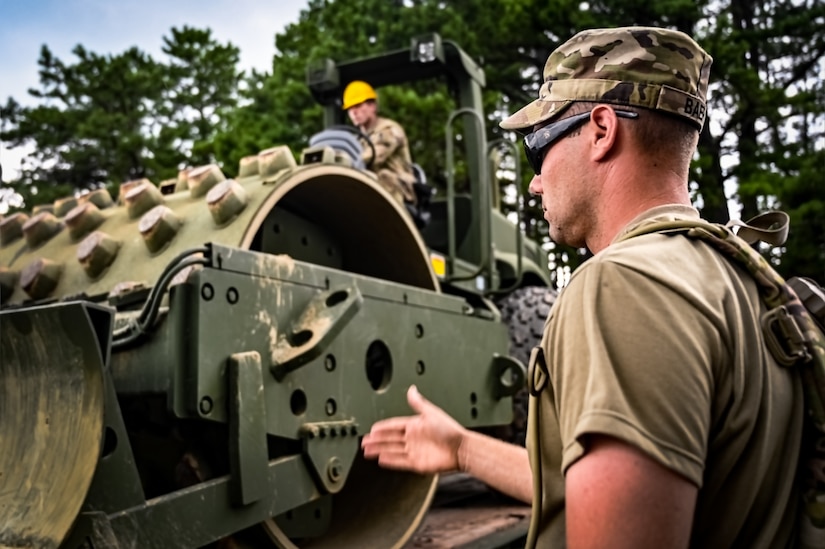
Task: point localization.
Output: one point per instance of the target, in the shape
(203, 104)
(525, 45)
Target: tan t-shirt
(656, 341)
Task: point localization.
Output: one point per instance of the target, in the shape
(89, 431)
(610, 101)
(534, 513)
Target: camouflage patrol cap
(647, 67)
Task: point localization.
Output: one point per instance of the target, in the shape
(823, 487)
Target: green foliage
(105, 119)
(203, 79)
(89, 121)
(767, 112)
(802, 198)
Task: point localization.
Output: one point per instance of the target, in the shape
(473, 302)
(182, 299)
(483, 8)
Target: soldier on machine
(389, 157)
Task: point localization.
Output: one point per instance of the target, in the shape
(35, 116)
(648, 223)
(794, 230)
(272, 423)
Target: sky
(113, 26)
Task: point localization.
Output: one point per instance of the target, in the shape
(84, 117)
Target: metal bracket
(509, 376)
(91, 529)
(248, 455)
(330, 447)
(322, 319)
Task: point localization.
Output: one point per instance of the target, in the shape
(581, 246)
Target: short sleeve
(630, 356)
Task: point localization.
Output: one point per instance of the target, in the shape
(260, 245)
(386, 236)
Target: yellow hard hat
(356, 93)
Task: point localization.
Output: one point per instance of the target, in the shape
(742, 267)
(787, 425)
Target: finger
(372, 451)
(416, 400)
(378, 450)
(375, 450)
(391, 460)
(398, 424)
(373, 444)
(387, 437)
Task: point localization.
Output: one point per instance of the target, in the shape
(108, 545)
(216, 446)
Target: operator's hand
(429, 442)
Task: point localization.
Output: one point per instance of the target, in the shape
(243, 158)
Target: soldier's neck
(369, 125)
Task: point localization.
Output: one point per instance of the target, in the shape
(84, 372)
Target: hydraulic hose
(138, 327)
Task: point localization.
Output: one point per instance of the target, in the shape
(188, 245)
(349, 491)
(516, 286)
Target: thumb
(416, 400)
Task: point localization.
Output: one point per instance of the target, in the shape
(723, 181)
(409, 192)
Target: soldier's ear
(602, 131)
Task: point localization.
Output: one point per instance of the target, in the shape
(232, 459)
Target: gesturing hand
(428, 442)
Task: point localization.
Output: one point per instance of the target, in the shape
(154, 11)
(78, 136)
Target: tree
(763, 145)
(203, 79)
(768, 108)
(768, 64)
(106, 119)
(88, 125)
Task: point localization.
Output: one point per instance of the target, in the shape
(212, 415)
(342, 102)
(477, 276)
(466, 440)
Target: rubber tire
(524, 311)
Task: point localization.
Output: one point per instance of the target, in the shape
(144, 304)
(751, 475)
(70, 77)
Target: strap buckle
(537, 374)
(784, 337)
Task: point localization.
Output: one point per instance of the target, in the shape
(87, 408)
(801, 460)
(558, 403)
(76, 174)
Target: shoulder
(653, 274)
(669, 258)
(390, 126)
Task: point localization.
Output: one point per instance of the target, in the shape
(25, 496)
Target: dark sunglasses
(537, 144)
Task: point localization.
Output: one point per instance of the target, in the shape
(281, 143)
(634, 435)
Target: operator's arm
(618, 497)
(433, 442)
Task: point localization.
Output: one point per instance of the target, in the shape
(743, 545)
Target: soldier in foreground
(662, 418)
(389, 157)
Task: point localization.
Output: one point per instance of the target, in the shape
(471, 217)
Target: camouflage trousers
(397, 186)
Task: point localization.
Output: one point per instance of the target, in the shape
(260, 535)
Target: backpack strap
(792, 335)
(786, 325)
(770, 227)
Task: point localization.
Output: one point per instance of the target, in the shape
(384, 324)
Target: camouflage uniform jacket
(391, 149)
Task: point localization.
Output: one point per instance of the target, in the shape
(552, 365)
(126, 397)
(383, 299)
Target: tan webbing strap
(770, 227)
(537, 379)
(792, 335)
(534, 455)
